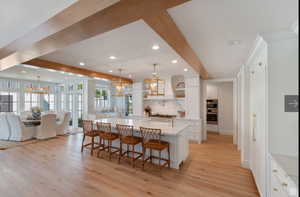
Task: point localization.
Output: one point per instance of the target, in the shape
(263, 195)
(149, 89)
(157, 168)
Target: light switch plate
(291, 103)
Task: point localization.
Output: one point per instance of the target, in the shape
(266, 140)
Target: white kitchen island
(176, 135)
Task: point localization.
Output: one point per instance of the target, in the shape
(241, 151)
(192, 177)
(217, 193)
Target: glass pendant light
(119, 85)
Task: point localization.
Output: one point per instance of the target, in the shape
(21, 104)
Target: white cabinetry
(284, 176)
(258, 128)
(192, 98)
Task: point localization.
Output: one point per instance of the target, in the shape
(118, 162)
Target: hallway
(57, 168)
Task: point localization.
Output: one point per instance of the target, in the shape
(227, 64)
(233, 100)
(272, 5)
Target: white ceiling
(210, 25)
(132, 45)
(18, 17)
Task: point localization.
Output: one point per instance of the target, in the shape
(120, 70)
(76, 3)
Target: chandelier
(119, 85)
(37, 90)
(155, 86)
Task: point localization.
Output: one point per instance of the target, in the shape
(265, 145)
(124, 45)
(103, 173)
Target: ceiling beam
(72, 69)
(69, 16)
(119, 14)
(164, 26)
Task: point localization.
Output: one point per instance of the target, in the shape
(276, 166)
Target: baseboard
(246, 164)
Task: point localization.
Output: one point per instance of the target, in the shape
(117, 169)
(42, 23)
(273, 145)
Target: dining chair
(89, 131)
(126, 135)
(152, 141)
(108, 136)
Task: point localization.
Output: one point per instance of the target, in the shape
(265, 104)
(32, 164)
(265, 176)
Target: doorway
(219, 108)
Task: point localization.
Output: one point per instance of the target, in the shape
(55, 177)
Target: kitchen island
(176, 135)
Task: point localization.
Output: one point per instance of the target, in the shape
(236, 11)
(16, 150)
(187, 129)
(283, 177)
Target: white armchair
(4, 128)
(63, 124)
(47, 129)
(19, 132)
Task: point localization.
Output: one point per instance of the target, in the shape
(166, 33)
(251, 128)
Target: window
(31, 100)
(62, 102)
(80, 110)
(8, 102)
(101, 99)
(49, 102)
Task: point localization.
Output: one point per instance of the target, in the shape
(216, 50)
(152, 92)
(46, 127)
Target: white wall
(283, 80)
(225, 97)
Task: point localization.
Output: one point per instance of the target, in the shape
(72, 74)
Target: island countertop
(166, 127)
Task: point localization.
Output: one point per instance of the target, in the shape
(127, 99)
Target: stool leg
(132, 159)
(109, 149)
(169, 157)
(159, 159)
(127, 150)
(92, 149)
(151, 156)
(121, 151)
(82, 142)
(143, 157)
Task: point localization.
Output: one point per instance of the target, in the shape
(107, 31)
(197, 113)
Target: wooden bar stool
(106, 134)
(88, 131)
(152, 141)
(127, 138)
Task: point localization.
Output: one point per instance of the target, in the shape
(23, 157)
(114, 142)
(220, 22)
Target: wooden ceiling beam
(164, 26)
(153, 12)
(69, 16)
(72, 69)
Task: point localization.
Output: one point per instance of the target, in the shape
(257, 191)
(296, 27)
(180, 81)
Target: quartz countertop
(166, 127)
(289, 164)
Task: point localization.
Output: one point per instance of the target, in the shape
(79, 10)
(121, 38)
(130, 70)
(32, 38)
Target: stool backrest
(150, 134)
(87, 126)
(104, 127)
(125, 130)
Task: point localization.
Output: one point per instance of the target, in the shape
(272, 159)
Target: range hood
(174, 89)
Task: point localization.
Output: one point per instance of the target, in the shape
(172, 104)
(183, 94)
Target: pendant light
(37, 90)
(155, 85)
(119, 85)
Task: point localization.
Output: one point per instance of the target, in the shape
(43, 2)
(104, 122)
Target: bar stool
(106, 134)
(152, 140)
(88, 131)
(127, 138)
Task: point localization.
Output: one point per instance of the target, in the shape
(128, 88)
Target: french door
(258, 145)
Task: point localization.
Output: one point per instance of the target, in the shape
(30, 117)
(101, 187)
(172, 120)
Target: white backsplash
(170, 107)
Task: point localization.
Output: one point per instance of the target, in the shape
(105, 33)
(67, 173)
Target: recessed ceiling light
(81, 63)
(62, 72)
(155, 47)
(185, 70)
(234, 42)
(97, 78)
(112, 57)
(110, 71)
(174, 61)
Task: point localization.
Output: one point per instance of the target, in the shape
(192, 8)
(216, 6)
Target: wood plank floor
(57, 168)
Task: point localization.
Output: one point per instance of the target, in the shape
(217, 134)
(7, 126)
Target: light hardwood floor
(57, 168)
